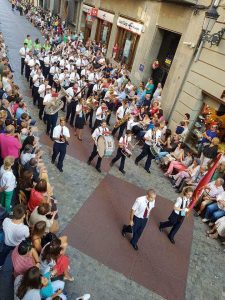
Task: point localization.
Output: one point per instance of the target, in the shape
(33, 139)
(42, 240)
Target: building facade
(139, 32)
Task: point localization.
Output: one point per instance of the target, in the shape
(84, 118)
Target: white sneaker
(205, 220)
(84, 297)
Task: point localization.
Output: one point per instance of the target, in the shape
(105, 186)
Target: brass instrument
(92, 103)
(122, 121)
(55, 105)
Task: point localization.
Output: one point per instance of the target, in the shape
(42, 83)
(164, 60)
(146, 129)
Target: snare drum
(105, 145)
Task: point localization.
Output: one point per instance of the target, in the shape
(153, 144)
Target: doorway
(166, 54)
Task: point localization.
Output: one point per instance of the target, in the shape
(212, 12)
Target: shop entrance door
(167, 51)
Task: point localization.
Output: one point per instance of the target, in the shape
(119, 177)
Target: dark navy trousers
(139, 225)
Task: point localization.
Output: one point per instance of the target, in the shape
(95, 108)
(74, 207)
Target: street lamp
(211, 17)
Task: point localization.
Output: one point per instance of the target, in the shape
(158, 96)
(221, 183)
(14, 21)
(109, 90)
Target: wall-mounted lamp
(214, 39)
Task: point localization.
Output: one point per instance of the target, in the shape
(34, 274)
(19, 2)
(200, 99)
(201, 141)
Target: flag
(203, 182)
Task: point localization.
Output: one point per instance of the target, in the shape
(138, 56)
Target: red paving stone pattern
(158, 265)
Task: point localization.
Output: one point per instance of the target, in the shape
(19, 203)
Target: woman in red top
(38, 195)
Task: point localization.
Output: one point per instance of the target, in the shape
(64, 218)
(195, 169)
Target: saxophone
(122, 121)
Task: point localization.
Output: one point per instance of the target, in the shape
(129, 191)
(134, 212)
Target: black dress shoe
(53, 162)
(148, 171)
(136, 162)
(99, 170)
(89, 162)
(134, 246)
(123, 233)
(122, 171)
(171, 240)
(60, 170)
(111, 164)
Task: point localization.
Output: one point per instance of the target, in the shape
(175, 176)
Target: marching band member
(46, 68)
(43, 89)
(53, 70)
(122, 113)
(32, 62)
(61, 135)
(72, 99)
(56, 83)
(91, 81)
(80, 119)
(74, 77)
(27, 67)
(101, 114)
(49, 100)
(89, 114)
(38, 79)
(101, 130)
(23, 52)
(80, 64)
(151, 137)
(124, 143)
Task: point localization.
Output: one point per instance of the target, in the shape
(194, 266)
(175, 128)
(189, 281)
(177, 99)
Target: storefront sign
(130, 25)
(126, 50)
(105, 16)
(141, 67)
(87, 8)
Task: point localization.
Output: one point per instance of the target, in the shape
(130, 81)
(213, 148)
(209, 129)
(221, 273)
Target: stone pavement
(206, 269)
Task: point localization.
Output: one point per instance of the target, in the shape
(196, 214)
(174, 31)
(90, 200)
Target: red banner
(203, 182)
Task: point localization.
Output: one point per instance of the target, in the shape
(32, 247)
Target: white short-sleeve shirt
(58, 130)
(140, 206)
(14, 233)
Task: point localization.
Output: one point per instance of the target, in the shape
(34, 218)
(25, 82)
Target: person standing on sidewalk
(139, 216)
(61, 135)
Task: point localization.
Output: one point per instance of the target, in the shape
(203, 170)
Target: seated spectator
(28, 286)
(38, 195)
(32, 165)
(177, 155)
(7, 183)
(180, 128)
(180, 165)
(26, 183)
(210, 152)
(9, 143)
(24, 256)
(54, 261)
(189, 174)
(193, 182)
(218, 229)
(14, 232)
(43, 213)
(210, 193)
(27, 154)
(215, 210)
(20, 110)
(208, 135)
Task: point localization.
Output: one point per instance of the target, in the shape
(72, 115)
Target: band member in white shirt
(151, 137)
(61, 135)
(101, 114)
(47, 64)
(43, 90)
(49, 100)
(121, 113)
(178, 214)
(53, 70)
(23, 52)
(38, 79)
(101, 130)
(80, 119)
(28, 57)
(124, 143)
(139, 216)
(72, 99)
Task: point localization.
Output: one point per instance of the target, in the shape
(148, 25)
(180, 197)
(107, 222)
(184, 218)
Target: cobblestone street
(74, 188)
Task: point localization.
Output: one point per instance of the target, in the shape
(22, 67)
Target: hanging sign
(130, 25)
(105, 16)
